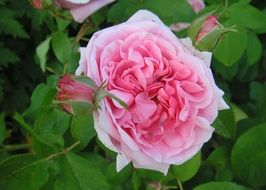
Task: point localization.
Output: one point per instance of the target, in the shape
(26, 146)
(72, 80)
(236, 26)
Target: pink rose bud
(206, 32)
(37, 4)
(208, 25)
(76, 94)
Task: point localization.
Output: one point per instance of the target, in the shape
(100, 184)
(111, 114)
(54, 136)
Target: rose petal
(83, 11)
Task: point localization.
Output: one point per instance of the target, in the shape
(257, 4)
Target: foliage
(42, 147)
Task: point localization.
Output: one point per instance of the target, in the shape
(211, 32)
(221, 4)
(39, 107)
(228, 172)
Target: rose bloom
(168, 86)
(81, 9)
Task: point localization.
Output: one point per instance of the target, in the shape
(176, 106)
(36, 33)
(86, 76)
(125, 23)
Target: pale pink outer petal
(197, 5)
(141, 160)
(121, 161)
(104, 127)
(82, 62)
(143, 15)
(78, 1)
(206, 57)
(179, 26)
(83, 11)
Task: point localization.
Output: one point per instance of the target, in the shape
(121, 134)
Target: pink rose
(81, 9)
(168, 86)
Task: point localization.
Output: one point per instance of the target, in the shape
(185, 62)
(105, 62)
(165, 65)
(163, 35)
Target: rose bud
(206, 32)
(76, 94)
(37, 4)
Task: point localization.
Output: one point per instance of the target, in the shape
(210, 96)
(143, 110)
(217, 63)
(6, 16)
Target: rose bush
(167, 84)
(81, 9)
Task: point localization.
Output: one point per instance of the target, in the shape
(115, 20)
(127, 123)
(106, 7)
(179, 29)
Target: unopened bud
(206, 32)
(76, 94)
(79, 95)
(42, 4)
(37, 4)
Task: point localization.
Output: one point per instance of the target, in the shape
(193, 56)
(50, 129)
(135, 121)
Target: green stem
(169, 187)
(68, 149)
(7, 148)
(226, 4)
(179, 184)
(82, 31)
(65, 68)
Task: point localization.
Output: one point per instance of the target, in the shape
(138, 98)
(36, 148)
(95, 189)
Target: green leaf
(79, 174)
(7, 56)
(41, 98)
(232, 46)
(220, 186)
(254, 48)
(115, 177)
(122, 10)
(62, 24)
(10, 25)
(41, 146)
(80, 107)
(257, 94)
(3, 156)
(2, 2)
(136, 181)
(225, 124)
(61, 46)
(151, 175)
(19, 118)
(82, 128)
(219, 156)
(227, 72)
(248, 16)
(42, 51)
(50, 127)
(2, 128)
(187, 170)
(95, 159)
(238, 113)
(23, 172)
(173, 10)
(249, 156)
(220, 160)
